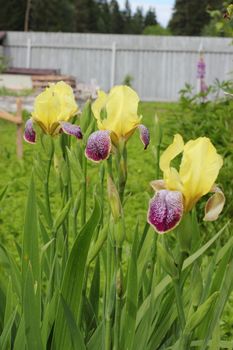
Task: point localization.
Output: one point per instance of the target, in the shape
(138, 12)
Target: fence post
(19, 130)
(29, 46)
(113, 65)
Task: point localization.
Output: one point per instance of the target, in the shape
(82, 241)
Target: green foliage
(128, 79)
(156, 30)
(220, 25)
(8, 92)
(190, 17)
(87, 292)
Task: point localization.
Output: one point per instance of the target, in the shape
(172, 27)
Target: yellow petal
(65, 93)
(46, 109)
(171, 175)
(98, 106)
(199, 169)
(120, 107)
(56, 103)
(214, 205)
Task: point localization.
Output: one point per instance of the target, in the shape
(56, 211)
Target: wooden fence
(160, 66)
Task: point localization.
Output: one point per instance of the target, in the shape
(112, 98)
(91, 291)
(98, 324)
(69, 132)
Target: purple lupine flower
(201, 68)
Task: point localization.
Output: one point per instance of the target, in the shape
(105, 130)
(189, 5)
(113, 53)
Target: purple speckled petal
(144, 135)
(165, 210)
(29, 133)
(72, 129)
(98, 145)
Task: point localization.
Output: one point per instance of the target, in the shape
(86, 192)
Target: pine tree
(138, 21)
(150, 18)
(12, 14)
(127, 15)
(53, 15)
(190, 17)
(103, 17)
(117, 22)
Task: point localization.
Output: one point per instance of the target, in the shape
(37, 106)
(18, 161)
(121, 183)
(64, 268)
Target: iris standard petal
(98, 106)
(171, 175)
(29, 132)
(72, 129)
(98, 145)
(121, 108)
(144, 135)
(199, 169)
(214, 205)
(56, 103)
(47, 108)
(165, 210)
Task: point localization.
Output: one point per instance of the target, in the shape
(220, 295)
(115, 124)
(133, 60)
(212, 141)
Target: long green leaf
(76, 336)
(72, 284)
(130, 312)
(31, 311)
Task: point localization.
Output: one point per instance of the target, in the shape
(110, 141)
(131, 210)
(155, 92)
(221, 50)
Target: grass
(17, 93)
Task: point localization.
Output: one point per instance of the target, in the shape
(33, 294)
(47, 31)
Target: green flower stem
(118, 306)
(121, 165)
(84, 191)
(153, 261)
(46, 192)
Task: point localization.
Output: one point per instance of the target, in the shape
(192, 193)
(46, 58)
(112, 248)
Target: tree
(81, 16)
(150, 18)
(190, 17)
(12, 14)
(53, 15)
(127, 15)
(117, 22)
(103, 21)
(138, 21)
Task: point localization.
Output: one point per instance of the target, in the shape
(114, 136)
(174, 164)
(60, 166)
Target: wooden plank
(32, 71)
(10, 118)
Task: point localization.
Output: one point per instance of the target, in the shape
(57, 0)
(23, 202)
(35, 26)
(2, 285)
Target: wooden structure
(41, 81)
(18, 121)
(42, 77)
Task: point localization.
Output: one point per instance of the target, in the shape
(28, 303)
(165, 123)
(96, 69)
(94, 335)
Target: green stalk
(84, 191)
(46, 192)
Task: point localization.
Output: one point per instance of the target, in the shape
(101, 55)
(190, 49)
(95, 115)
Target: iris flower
(52, 110)
(117, 119)
(179, 191)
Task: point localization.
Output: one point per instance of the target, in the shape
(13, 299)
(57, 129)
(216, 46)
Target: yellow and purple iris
(179, 191)
(52, 110)
(117, 119)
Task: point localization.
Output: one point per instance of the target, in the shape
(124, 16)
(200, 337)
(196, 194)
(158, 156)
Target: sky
(163, 8)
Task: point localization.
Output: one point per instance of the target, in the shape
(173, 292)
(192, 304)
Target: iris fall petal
(71, 129)
(98, 145)
(144, 135)
(165, 210)
(214, 205)
(29, 132)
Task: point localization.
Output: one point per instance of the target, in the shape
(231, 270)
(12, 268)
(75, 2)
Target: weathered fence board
(160, 66)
